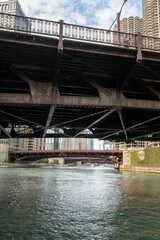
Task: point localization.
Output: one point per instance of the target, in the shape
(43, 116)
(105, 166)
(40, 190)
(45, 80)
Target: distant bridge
(60, 75)
(100, 156)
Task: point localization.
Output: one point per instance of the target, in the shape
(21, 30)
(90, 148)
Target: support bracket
(139, 54)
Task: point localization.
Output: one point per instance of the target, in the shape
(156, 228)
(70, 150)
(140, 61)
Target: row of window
(5, 7)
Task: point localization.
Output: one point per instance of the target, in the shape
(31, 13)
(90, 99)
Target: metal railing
(52, 28)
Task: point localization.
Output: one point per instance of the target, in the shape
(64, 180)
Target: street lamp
(118, 18)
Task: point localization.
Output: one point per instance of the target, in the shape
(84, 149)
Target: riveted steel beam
(5, 131)
(129, 128)
(50, 115)
(148, 136)
(122, 122)
(115, 99)
(150, 88)
(98, 120)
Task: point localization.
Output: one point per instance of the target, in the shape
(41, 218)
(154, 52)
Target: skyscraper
(131, 24)
(151, 17)
(12, 22)
(11, 6)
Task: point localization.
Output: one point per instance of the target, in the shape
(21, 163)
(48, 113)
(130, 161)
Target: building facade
(151, 17)
(137, 145)
(13, 22)
(4, 146)
(131, 24)
(32, 144)
(12, 7)
(75, 144)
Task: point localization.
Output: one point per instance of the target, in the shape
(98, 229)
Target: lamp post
(118, 16)
(118, 21)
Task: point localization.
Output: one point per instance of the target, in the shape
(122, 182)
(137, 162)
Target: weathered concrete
(60, 161)
(4, 150)
(143, 169)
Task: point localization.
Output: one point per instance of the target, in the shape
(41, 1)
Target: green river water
(78, 203)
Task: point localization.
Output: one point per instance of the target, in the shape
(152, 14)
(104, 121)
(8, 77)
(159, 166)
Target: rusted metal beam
(37, 89)
(63, 123)
(126, 80)
(80, 118)
(103, 75)
(139, 54)
(57, 69)
(23, 119)
(50, 115)
(151, 80)
(115, 99)
(5, 131)
(60, 44)
(122, 122)
(150, 70)
(129, 128)
(98, 120)
(84, 63)
(150, 88)
(148, 136)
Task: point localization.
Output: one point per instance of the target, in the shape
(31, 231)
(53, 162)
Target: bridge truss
(88, 82)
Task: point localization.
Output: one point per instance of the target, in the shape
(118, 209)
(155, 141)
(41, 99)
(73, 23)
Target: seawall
(147, 160)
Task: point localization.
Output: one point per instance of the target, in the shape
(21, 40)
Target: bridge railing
(99, 35)
(52, 28)
(150, 43)
(27, 24)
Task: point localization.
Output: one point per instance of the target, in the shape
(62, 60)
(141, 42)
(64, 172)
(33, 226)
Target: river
(78, 203)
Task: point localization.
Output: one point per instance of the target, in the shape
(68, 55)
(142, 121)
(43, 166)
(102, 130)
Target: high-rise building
(75, 144)
(131, 24)
(16, 144)
(151, 17)
(13, 22)
(32, 144)
(11, 6)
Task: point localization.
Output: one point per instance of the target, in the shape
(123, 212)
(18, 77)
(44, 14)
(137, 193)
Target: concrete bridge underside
(79, 86)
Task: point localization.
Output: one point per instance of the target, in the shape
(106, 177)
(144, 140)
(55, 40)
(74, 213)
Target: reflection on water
(78, 203)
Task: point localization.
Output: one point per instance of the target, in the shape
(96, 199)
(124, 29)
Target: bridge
(96, 156)
(88, 82)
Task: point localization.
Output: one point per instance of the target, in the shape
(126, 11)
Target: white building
(4, 150)
(12, 7)
(12, 22)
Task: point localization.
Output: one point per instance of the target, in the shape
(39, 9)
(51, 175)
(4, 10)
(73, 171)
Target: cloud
(99, 13)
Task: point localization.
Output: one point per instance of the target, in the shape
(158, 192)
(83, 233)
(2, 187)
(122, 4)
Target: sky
(98, 13)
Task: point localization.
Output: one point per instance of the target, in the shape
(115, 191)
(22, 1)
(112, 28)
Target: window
(3, 7)
(6, 7)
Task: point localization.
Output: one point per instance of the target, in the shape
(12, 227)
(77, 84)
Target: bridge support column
(126, 160)
(59, 161)
(79, 163)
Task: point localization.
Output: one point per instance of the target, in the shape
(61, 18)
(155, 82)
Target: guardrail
(53, 28)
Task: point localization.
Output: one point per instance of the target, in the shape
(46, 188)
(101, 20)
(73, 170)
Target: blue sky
(99, 13)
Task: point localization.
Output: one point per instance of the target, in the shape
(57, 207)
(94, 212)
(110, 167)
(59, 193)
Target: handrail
(50, 28)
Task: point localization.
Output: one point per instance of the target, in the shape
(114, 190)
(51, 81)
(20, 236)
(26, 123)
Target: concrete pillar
(59, 161)
(126, 160)
(79, 163)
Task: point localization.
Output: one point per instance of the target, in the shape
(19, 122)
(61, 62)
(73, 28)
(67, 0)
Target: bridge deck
(67, 154)
(77, 85)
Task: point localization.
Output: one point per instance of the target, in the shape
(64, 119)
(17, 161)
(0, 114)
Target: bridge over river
(96, 156)
(77, 78)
